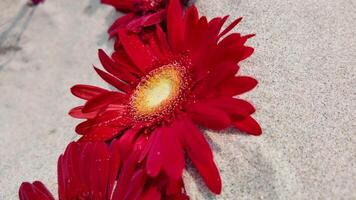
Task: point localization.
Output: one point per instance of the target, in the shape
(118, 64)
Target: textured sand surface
(305, 61)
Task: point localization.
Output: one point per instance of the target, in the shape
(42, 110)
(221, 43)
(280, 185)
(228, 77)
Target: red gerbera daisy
(167, 85)
(89, 171)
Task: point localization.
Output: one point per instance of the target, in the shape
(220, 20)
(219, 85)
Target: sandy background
(305, 61)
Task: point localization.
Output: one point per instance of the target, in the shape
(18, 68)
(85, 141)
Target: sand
(305, 61)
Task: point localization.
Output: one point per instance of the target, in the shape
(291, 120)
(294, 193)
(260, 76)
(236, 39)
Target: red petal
(154, 159)
(174, 187)
(191, 19)
(175, 27)
(146, 20)
(151, 140)
(173, 156)
(110, 66)
(114, 119)
(87, 91)
(98, 169)
(230, 27)
(103, 101)
(126, 173)
(40, 186)
(114, 165)
(120, 56)
(61, 179)
(232, 48)
(155, 47)
(208, 116)
(34, 191)
(235, 107)
(204, 51)
(248, 125)
(236, 86)
(121, 22)
(217, 75)
(200, 153)
(248, 51)
(113, 81)
(233, 39)
(78, 113)
(136, 49)
(162, 40)
(68, 173)
(198, 34)
(151, 194)
(126, 142)
(136, 185)
(101, 133)
(210, 174)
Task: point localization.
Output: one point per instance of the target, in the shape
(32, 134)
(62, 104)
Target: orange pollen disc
(159, 93)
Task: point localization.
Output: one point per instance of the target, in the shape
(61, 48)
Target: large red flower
(166, 86)
(89, 171)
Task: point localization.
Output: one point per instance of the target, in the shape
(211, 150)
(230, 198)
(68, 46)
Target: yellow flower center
(159, 92)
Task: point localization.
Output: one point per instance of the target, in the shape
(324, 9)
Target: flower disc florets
(161, 92)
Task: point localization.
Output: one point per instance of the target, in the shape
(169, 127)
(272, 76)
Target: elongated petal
(122, 58)
(62, 190)
(162, 40)
(235, 107)
(232, 49)
(248, 125)
(113, 81)
(210, 174)
(34, 191)
(200, 153)
(126, 142)
(190, 19)
(77, 112)
(86, 91)
(174, 187)
(217, 75)
(151, 141)
(113, 119)
(100, 133)
(120, 23)
(136, 25)
(175, 25)
(126, 173)
(154, 159)
(230, 27)
(204, 50)
(208, 116)
(136, 185)
(136, 49)
(114, 69)
(173, 157)
(40, 186)
(236, 86)
(97, 161)
(248, 51)
(103, 101)
(115, 163)
(151, 194)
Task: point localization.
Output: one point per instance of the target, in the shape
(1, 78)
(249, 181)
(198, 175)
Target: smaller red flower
(90, 171)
